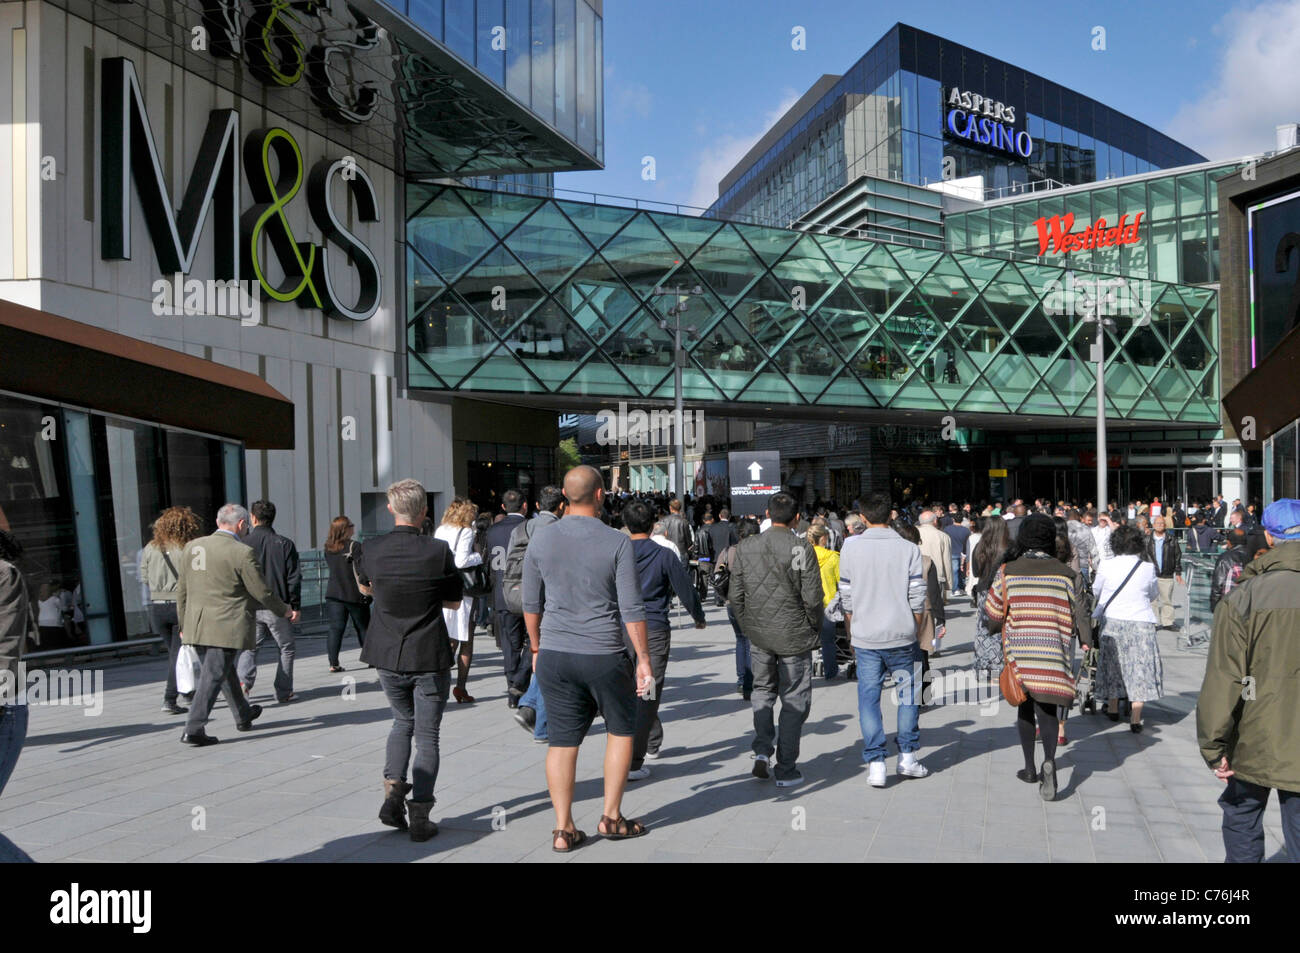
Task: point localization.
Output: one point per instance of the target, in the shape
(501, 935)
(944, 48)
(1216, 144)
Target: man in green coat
(220, 589)
(1246, 715)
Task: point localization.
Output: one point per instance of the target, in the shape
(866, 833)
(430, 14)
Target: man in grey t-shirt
(580, 589)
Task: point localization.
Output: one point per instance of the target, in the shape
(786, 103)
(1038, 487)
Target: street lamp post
(1099, 357)
(679, 361)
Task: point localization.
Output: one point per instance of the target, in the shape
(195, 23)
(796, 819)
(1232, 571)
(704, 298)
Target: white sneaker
(640, 774)
(876, 774)
(909, 766)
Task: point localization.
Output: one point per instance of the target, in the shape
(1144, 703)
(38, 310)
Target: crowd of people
(578, 595)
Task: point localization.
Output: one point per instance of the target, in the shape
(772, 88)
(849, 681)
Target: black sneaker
(174, 709)
(254, 712)
(1047, 782)
(526, 717)
(198, 740)
(760, 767)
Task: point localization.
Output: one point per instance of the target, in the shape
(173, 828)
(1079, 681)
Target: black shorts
(575, 687)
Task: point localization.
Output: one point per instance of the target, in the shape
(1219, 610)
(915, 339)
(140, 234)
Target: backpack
(512, 578)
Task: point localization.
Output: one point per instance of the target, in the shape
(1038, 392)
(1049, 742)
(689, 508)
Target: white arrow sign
(754, 471)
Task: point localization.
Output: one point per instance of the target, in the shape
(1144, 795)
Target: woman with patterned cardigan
(1038, 603)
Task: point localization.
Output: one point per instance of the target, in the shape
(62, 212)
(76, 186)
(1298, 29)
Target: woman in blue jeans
(17, 624)
(744, 674)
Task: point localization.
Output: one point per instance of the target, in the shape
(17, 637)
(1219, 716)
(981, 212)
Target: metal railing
(1024, 188)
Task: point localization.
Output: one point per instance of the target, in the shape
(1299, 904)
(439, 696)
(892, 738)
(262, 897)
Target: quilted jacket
(776, 592)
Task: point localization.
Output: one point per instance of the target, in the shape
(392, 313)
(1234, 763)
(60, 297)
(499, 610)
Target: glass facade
(547, 54)
(886, 117)
(1282, 464)
(81, 490)
(1178, 234)
(523, 295)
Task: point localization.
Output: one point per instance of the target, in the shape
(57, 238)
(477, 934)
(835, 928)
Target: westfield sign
(1056, 233)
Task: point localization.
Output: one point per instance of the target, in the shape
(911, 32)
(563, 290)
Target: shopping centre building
(202, 258)
(263, 250)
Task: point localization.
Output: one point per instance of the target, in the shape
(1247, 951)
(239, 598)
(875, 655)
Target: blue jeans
(13, 732)
(958, 581)
(744, 671)
(417, 700)
(533, 699)
(829, 665)
(873, 665)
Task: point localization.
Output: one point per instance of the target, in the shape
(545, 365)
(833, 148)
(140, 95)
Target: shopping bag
(187, 670)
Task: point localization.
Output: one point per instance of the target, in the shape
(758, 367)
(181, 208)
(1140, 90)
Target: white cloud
(1253, 86)
(634, 99)
(722, 153)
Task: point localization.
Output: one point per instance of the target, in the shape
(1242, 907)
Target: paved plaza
(306, 784)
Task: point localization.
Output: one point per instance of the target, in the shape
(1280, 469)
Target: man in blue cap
(1246, 715)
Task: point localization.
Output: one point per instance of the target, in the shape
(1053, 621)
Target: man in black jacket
(1166, 555)
(277, 557)
(776, 593)
(413, 578)
(510, 627)
(722, 533)
(678, 530)
(1228, 567)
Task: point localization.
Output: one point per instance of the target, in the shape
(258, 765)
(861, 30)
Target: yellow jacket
(828, 560)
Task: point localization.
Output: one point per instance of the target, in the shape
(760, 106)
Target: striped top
(1041, 605)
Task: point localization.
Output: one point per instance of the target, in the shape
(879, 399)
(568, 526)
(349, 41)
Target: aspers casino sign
(985, 122)
(274, 166)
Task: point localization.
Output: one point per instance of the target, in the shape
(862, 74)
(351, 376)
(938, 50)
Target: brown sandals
(620, 828)
(572, 840)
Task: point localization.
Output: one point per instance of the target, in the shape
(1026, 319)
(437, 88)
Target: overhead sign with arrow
(754, 477)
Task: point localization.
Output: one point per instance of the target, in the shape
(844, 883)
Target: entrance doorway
(1198, 485)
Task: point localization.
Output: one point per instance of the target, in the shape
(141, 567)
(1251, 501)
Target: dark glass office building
(916, 98)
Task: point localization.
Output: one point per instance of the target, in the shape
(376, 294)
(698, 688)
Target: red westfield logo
(1055, 233)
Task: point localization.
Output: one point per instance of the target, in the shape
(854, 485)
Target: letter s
(986, 131)
(1011, 114)
(332, 229)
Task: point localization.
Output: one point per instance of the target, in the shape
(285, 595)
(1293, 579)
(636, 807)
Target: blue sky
(694, 83)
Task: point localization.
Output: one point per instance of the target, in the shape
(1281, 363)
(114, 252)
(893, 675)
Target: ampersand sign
(273, 192)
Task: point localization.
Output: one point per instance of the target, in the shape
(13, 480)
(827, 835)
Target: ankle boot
(393, 811)
(421, 827)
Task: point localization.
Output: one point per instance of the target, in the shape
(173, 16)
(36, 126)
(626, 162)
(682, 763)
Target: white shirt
(51, 611)
(667, 544)
(1101, 536)
(764, 526)
(1133, 604)
(461, 541)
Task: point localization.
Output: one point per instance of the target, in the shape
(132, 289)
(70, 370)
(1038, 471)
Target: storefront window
(1282, 464)
(134, 460)
(36, 504)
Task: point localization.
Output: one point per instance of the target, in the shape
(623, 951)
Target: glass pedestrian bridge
(554, 299)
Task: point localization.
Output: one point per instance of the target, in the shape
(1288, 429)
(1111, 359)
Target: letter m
(129, 152)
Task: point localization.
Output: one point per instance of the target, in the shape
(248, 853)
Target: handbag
(365, 599)
(1013, 689)
(477, 581)
(834, 610)
(187, 670)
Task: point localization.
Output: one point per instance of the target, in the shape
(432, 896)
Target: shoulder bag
(366, 599)
(476, 579)
(1013, 688)
(1099, 612)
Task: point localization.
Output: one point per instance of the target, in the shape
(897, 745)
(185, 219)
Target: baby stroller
(1085, 685)
(845, 659)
